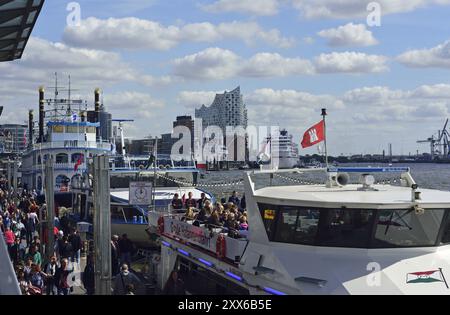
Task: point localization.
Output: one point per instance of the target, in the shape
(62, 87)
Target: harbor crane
(440, 145)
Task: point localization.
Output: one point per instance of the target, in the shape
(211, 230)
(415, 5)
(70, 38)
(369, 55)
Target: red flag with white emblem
(314, 135)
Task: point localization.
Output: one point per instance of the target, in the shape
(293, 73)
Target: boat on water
(328, 238)
(133, 219)
(69, 137)
(280, 150)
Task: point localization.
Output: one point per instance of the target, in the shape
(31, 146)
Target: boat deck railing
(73, 144)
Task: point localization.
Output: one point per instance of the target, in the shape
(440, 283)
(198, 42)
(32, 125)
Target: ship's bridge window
(408, 228)
(355, 228)
(62, 158)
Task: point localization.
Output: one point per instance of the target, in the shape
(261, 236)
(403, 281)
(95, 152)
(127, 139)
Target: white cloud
(193, 99)
(347, 9)
(253, 7)
(135, 104)
(349, 35)
(212, 63)
(133, 33)
(219, 64)
(433, 91)
(438, 56)
(384, 105)
(350, 62)
(275, 65)
(87, 67)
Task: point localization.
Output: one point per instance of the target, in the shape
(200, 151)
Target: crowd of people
(23, 222)
(230, 216)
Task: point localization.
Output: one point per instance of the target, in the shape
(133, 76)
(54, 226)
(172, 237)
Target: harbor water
(431, 176)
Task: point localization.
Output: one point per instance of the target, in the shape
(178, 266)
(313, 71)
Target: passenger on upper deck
(201, 201)
(190, 202)
(189, 215)
(177, 204)
(214, 220)
(234, 199)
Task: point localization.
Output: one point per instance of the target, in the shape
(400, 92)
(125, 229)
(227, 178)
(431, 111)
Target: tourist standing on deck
(126, 248)
(201, 201)
(190, 202)
(234, 199)
(177, 203)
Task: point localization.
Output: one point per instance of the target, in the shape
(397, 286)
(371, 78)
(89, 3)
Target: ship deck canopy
(383, 197)
(17, 20)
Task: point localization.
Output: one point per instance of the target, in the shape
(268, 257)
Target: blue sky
(154, 61)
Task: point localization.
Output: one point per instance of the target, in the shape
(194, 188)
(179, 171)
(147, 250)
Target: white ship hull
(287, 162)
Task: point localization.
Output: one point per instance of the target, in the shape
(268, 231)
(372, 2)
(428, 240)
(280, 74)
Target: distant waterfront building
(227, 110)
(14, 138)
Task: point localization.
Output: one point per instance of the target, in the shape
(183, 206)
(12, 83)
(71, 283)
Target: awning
(17, 20)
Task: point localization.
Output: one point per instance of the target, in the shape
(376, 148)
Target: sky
(158, 59)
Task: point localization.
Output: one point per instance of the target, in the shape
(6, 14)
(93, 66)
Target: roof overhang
(17, 20)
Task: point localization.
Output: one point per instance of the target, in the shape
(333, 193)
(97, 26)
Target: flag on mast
(314, 135)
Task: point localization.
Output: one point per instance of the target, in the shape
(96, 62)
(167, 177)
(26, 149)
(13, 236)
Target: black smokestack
(41, 113)
(30, 128)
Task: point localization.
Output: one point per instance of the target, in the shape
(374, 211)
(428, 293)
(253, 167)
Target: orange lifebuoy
(161, 225)
(221, 246)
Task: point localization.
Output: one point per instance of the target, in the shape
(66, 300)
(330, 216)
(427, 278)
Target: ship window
(407, 228)
(39, 161)
(62, 158)
(298, 226)
(345, 228)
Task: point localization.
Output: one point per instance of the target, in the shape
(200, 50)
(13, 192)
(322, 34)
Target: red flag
(314, 135)
(79, 162)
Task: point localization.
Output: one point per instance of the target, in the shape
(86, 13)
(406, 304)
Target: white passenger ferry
(332, 238)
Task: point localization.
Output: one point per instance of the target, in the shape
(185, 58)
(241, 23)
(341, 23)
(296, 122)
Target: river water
(433, 176)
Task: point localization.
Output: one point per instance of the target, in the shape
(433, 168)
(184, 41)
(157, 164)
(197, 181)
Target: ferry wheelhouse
(330, 238)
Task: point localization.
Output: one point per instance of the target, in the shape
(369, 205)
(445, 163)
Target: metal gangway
(8, 280)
